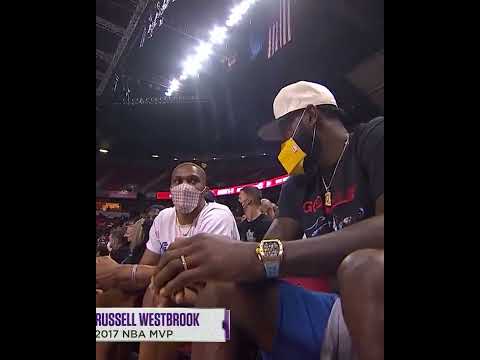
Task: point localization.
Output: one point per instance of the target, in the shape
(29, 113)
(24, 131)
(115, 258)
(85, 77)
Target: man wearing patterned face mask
(189, 216)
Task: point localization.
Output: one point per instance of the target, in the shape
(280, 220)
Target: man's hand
(209, 258)
(106, 269)
(185, 297)
(188, 296)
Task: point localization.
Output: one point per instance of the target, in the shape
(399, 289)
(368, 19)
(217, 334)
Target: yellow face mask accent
(291, 157)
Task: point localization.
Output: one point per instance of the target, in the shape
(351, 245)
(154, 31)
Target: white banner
(162, 324)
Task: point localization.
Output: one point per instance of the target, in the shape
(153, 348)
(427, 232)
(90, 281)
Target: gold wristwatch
(270, 253)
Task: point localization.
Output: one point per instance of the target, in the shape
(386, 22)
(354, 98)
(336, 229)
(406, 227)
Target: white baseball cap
(291, 98)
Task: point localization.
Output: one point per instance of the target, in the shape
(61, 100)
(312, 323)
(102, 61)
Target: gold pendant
(328, 198)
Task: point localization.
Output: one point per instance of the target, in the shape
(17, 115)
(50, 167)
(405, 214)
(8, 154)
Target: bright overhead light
(214, 158)
(238, 11)
(191, 66)
(193, 63)
(175, 159)
(174, 85)
(243, 156)
(233, 20)
(103, 151)
(218, 34)
(265, 154)
(204, 50)
(155, 156)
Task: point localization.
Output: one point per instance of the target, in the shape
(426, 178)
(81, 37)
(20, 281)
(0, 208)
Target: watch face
(271, 248)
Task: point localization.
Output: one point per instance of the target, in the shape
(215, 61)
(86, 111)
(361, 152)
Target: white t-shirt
(213, 219)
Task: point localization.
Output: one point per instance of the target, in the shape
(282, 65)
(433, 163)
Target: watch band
(272, 269)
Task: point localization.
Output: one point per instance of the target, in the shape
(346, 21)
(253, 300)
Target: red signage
(165, 195)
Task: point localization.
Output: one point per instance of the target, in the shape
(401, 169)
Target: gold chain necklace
(189, 229)
(328, 194)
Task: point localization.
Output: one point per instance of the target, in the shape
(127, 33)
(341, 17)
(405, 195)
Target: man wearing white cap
(334, 197)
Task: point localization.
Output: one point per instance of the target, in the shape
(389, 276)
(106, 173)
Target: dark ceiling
(338, 43)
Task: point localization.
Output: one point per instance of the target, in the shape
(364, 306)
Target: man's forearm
(125, 279)
(323, 254)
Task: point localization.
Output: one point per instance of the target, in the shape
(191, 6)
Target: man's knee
(225, 294)
(152, 300)
(216, 294)
(253, 307)
(362, 268)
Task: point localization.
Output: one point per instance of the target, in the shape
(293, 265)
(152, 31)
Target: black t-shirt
(254, 230)
(358, 182)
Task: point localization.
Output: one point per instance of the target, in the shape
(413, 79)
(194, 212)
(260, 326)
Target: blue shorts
(301, 322)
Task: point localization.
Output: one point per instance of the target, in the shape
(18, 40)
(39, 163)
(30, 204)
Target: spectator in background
(256, 223)
(102, 249)
(119, 244)
(151, 214)
(268, 208)
(140, 234)
(209, 197)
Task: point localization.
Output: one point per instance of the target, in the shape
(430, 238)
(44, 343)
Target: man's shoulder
(243, 225)
(214, 209)
(374, 128)
(266, 219)
(265, 222)
(164, 215)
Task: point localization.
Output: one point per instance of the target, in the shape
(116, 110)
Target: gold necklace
(189, 229)
(191, 225)
(328, 194)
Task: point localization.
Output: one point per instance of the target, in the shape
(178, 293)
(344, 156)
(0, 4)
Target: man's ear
(312, 116)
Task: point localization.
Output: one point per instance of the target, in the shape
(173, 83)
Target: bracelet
(134, 273)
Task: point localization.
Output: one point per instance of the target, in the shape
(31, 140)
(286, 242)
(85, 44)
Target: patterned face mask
(185, 197)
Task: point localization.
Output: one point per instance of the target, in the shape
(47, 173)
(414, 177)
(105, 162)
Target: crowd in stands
(124, 238)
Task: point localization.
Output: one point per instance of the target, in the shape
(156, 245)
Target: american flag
(280, 31)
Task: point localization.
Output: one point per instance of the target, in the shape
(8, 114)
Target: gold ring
(184, 262)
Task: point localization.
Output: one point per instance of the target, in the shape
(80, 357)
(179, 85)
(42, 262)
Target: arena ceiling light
(238, 11)
(204, 50)
(104, 151)
(218, 35)
(193, 63)
(191, 67)
(155, 156)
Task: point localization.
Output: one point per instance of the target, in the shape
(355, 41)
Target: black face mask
(245, 204)
(305, 138)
